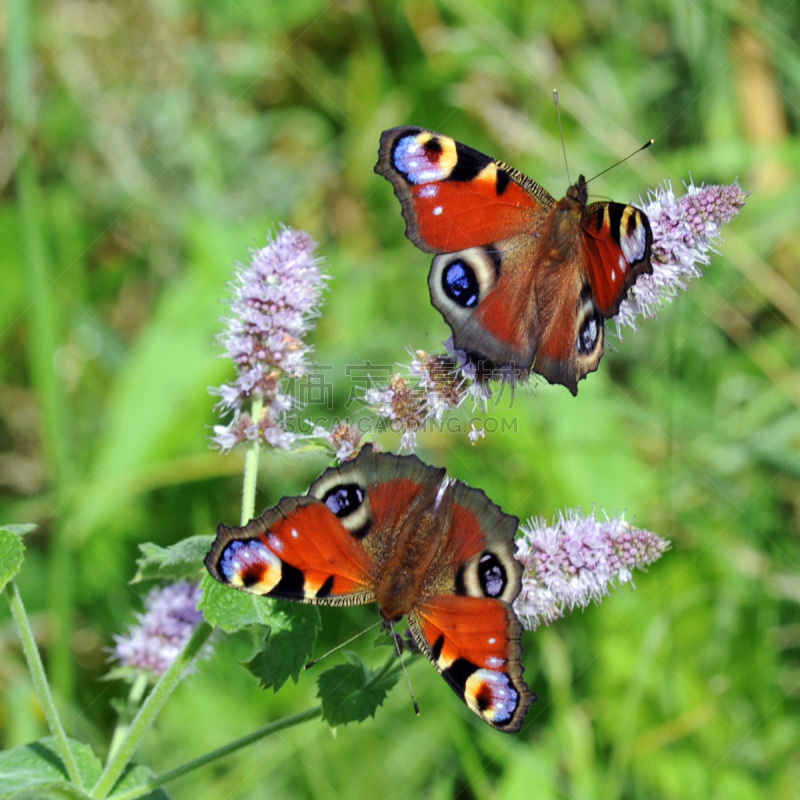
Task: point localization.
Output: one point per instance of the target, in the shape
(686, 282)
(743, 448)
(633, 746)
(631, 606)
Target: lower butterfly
(525, 282)
(393, 530)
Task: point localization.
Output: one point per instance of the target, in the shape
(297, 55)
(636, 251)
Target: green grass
(154, 144)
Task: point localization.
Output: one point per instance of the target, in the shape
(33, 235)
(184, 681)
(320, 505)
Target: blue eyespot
(344, 499)
(460, 284)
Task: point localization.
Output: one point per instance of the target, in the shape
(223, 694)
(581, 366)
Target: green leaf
(287, 646)
(12, 551)
(352, 692)
(20, 530)
(180, 561)
(136, 776)
(231, 609)
(35, 770)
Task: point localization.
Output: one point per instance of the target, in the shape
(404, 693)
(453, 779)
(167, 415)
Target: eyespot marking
(492, 575)
(492, 694)
(588, 335)
(422, 160)
(460, 284)
(344, 499)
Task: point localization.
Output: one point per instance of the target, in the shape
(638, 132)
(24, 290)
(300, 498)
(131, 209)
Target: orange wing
(298, 550)
(454, 197)
(474, 642)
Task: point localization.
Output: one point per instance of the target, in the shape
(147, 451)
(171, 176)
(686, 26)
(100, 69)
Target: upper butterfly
(394, 530)
(524, 282)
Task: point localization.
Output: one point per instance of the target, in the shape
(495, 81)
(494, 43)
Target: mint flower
(277, 297)
(575, 560)
(343, 439)
(684, 236)
(434, 386)
(168, 621)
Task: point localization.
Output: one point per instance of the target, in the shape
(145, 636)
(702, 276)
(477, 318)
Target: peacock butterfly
(395, 530)
(524, 282)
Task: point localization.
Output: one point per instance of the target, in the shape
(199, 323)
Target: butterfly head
(579, 192)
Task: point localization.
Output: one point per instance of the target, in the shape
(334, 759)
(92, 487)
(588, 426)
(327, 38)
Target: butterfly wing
(464, 621)
(616, 240)
(298, 550)
(374, 496)
(454, 197)
(474, 643)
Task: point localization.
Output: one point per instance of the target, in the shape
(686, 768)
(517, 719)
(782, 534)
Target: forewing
(373, 495)
(617, 239)
(297, 550)
(454, 197)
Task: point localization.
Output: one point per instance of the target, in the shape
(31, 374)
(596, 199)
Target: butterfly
(395, 530)
(523, 281)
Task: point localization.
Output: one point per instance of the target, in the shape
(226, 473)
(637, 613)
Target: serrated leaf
(180, 561)
(12, 553)
(352, 692)
(231, 609)
(287, 646)
(36, 770)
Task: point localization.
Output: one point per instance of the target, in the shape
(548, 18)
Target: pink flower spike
(685, 233)
(277, 297)
(160, 633)
(575, 560)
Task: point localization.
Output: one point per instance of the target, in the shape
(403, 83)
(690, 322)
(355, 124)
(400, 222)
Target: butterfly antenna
(340, 646)
(561, 131)
(623, 160)
(399, 652)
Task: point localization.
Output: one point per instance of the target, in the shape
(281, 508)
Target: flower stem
(40, 683)
(119, 759)
(220, 752)
(251, 464)
(135, 696)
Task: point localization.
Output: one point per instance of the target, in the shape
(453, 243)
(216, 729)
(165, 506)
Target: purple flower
(343, 439)
(684, 235)
(434, 386)
(276, 298)
(161, 632)
(575, 560)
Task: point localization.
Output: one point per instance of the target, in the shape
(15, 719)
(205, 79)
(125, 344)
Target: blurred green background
(147, 146)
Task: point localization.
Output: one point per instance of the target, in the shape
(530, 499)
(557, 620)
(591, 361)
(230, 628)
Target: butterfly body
(394, 530)
(525, 282)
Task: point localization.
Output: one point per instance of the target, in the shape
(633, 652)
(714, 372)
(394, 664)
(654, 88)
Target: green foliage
(286, 646)
(12, 551)
(180, 561)
(352, 692)
(154, 144)
(35, 771)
